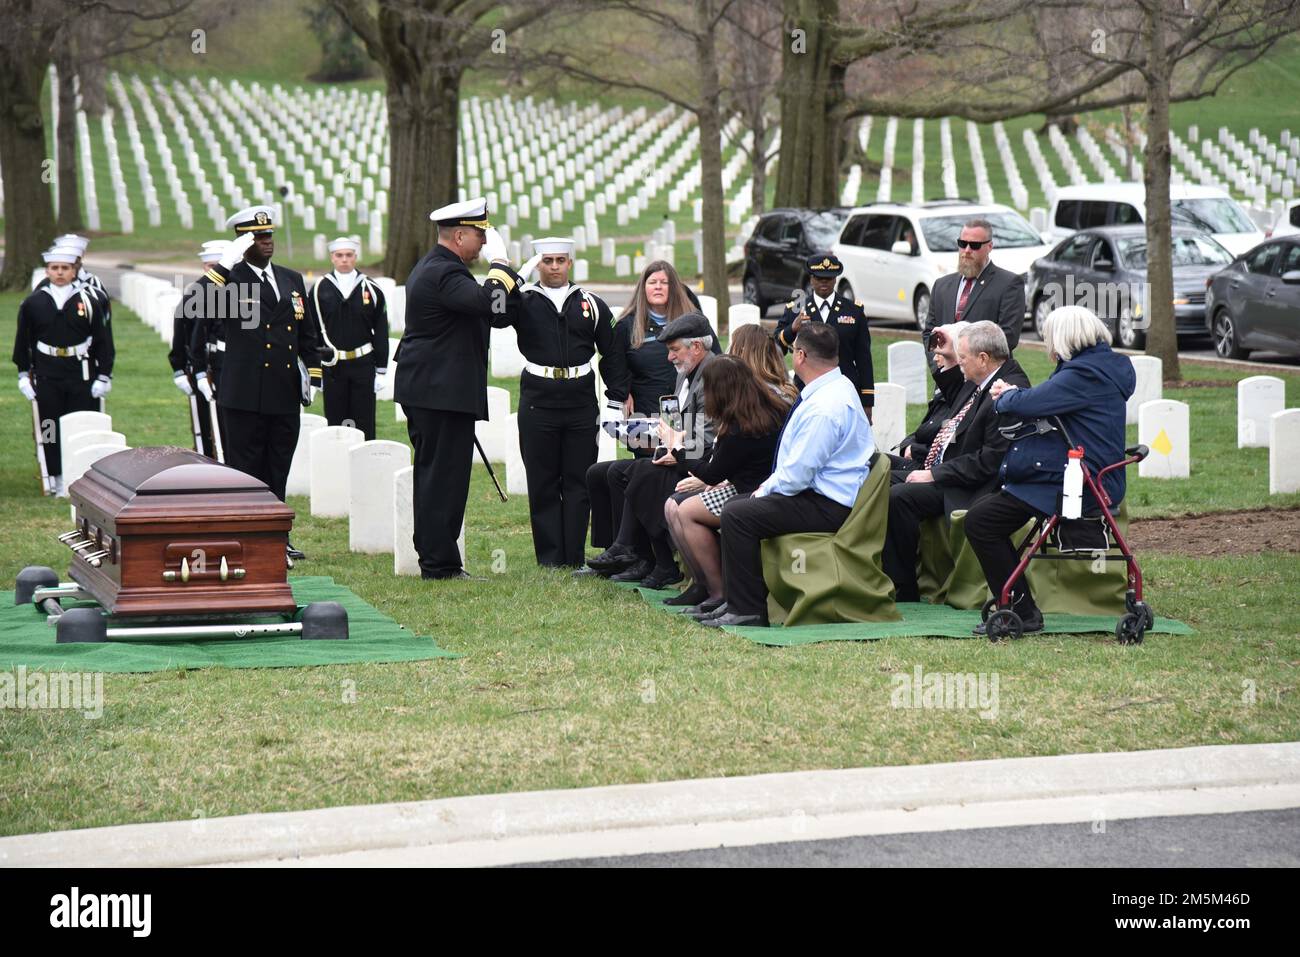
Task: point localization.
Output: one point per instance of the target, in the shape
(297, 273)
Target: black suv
(777, 252)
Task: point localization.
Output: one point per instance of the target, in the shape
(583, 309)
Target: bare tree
(424, 48)
(751, 64)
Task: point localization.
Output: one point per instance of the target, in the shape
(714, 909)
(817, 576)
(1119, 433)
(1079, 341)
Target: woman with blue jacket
(1088, 392)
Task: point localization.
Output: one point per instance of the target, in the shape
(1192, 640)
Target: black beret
(692, 325)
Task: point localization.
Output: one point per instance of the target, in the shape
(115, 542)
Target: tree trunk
(422, 118)
(29, 212)
(715, 233)
(69, 214)
(758, 188)
(812, 90)
(1162, 337)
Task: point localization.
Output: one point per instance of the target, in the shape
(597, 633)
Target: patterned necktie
(967, 286)
(945, 433)
(781, 434)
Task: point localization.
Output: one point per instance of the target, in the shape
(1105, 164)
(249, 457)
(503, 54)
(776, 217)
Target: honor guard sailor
(202, 409)
(272, 367)
(841, 313)
(81, 276)
(561, 327)
(351, 317)
(441, 379)
(64, 353)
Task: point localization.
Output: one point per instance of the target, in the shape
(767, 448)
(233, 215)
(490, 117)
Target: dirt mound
(1219, 533)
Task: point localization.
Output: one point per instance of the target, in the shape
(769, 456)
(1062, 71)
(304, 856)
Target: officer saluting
(848, 318)
(352, 318)
(442, 371)
(560, 328)
(190, 307)
(65, 344)
(271, 357)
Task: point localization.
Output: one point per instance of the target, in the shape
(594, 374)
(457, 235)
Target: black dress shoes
(722, 621)
(461, 575)
(293, 553)
(692, 596)
(661, 578)
(707, 609)
(635, 573)
(616, 558)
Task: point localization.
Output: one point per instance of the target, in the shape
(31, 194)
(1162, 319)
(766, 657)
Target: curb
(450, 822)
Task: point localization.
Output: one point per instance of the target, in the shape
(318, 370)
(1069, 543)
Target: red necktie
(945, 433)
(967, 285)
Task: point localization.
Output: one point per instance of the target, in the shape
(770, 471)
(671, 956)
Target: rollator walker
(998, 612)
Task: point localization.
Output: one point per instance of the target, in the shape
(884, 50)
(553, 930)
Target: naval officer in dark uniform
(272, 363)
(64, 343)
(351, 316)
(561, 327)
(441, 379)
(844, 315)
(178, 357)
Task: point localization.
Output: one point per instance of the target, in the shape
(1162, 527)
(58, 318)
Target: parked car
(1105, 270)
(893, 253)
(1288, 224)
(1123, 204)
(776, 253)
(1255, 302)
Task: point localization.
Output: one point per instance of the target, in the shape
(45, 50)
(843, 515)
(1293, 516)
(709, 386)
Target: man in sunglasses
(978, 290)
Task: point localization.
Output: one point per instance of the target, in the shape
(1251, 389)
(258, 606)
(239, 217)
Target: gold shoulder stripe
(503, 277)
(215, 277)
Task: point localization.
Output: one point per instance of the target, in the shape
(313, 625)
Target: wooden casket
(167, 532)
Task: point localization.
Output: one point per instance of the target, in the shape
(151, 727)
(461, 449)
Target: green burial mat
(920, 620)
(27, 640)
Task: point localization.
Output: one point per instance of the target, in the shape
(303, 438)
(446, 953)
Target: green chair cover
(816, 578)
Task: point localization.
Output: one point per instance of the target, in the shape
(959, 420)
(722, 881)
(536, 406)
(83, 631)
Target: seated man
(821, 462)
(963, 459)
(948, 384)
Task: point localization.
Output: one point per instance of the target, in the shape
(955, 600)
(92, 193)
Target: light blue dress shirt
(825, 445)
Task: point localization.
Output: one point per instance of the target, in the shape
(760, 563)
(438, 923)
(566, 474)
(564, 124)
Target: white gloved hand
(183, 383)
(101, 387)
(25, 386)
(312, 392)
(529, 266)
(379, 382)
(204, 386)
(494, 247)
(611, 412)
(235, 251)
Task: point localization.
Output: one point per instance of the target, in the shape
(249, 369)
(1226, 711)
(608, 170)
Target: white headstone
(743, 314)
(493, 434)
(889, 415)
(709, 306)
(1164, 427)
(1150, 385)
(370, 499)
(299, 482)
(405, 559)
(331, 478)
(76, 465)
(1284, 452)
(907, 368)
(74, 422)
(81, 440)
(1258, 398)
(516, 476)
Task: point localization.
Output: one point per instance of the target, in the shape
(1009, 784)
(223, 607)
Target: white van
(1120, 204)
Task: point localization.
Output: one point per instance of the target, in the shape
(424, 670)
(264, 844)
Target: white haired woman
(1088, 392)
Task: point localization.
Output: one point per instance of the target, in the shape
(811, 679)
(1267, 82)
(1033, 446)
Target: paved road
(1248, 839)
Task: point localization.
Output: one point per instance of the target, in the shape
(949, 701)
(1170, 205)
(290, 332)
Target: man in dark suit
(272, 361)
(961, 464)
(441, 379)
(978, 290)
(841, 313)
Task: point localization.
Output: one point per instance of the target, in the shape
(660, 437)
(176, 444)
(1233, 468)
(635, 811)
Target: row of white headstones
(1264, 174)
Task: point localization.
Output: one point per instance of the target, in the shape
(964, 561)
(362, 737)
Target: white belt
(79, 351)
(218, 345)
(558, 372)
(364, 350)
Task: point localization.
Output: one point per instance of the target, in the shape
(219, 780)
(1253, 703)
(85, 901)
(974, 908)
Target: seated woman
(754, 347)
(660, 297)
(1088, 391)
(747, 415)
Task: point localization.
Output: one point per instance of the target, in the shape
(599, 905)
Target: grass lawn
(570, 683)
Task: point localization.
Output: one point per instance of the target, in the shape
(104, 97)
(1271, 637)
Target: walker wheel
(1131, 629)
(1005, 623)
(1135, 607)
(987, 609)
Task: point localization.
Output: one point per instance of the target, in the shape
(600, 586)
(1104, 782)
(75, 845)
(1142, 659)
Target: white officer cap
(472, 212)
(212, 250)
(62, 254)
(344, 242)
(255, 219)
(78, 243)
(554, 244)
